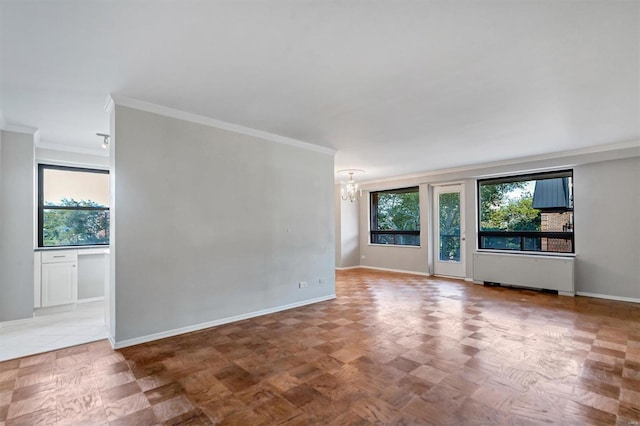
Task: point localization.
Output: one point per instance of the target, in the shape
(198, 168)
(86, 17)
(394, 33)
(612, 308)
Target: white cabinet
(59, 277)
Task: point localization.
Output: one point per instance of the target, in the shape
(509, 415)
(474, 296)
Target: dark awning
(552, 194)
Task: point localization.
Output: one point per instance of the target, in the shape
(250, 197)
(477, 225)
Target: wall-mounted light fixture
(105, 141)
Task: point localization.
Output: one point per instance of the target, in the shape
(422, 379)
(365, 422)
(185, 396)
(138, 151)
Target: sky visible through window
(73, 207)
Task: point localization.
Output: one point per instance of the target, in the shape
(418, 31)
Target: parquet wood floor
(391, 349)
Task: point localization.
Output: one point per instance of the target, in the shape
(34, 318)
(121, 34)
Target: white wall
(337, 225)
(16, 225)
(606, 214)
(347, 232)
(91, 270)
(211, 224)
(72, 159)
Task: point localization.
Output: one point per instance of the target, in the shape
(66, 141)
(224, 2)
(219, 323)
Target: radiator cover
(533, 271)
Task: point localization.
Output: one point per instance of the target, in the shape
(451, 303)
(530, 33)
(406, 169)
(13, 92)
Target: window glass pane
(500, 243)
(63, 227)
(528, 205)
(407, 240)
(525, 205)
(67, 188)
(398, 211)
(508, 207)
(532, 244)
(382, 239)
(449, 220)
(556, 221)
(397, 239)
(395, 210)
(559, 245)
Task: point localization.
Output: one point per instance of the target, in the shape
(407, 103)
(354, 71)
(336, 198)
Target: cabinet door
(59, 283)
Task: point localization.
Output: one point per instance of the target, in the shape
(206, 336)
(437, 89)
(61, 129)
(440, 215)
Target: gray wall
(607, 223)
(606, 214)
(337, 225)
(212, 224)
(347, 232)
(16, 225)
(2, 285)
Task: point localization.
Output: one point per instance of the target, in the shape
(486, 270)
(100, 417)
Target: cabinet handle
(60, 256)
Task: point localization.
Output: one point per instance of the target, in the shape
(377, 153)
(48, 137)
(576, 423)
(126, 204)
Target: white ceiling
(396, 87)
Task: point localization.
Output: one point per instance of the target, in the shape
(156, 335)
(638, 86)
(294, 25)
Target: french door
(449, 231)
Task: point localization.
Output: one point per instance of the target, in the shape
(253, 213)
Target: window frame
(41, 207)
(373, 217)
(566, 235)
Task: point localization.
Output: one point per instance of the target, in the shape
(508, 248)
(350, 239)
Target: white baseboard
(57, 309)
(451, 277)
(91, 299)
(16, 322)
(402, 271)
(209, 324)
(606, 296)
(346, 268)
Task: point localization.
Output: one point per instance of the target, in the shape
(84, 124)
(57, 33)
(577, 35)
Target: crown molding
(211, 122)
(108, 106)
(72, 148)
(19, 129)
(591, 151)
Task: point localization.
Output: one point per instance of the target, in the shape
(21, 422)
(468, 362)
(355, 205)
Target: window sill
(393, 245)
(99, 246)
(526, 253)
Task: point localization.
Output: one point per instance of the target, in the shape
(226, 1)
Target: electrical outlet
(302, 284)
(322, 281)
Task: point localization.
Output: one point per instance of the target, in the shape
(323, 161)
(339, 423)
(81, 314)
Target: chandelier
(350, 190)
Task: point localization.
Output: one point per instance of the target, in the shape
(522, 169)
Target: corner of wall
(349, 237)
(337, 225)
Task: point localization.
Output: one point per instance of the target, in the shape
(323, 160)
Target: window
(527, 213)
(395, 217)
(73, 206)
